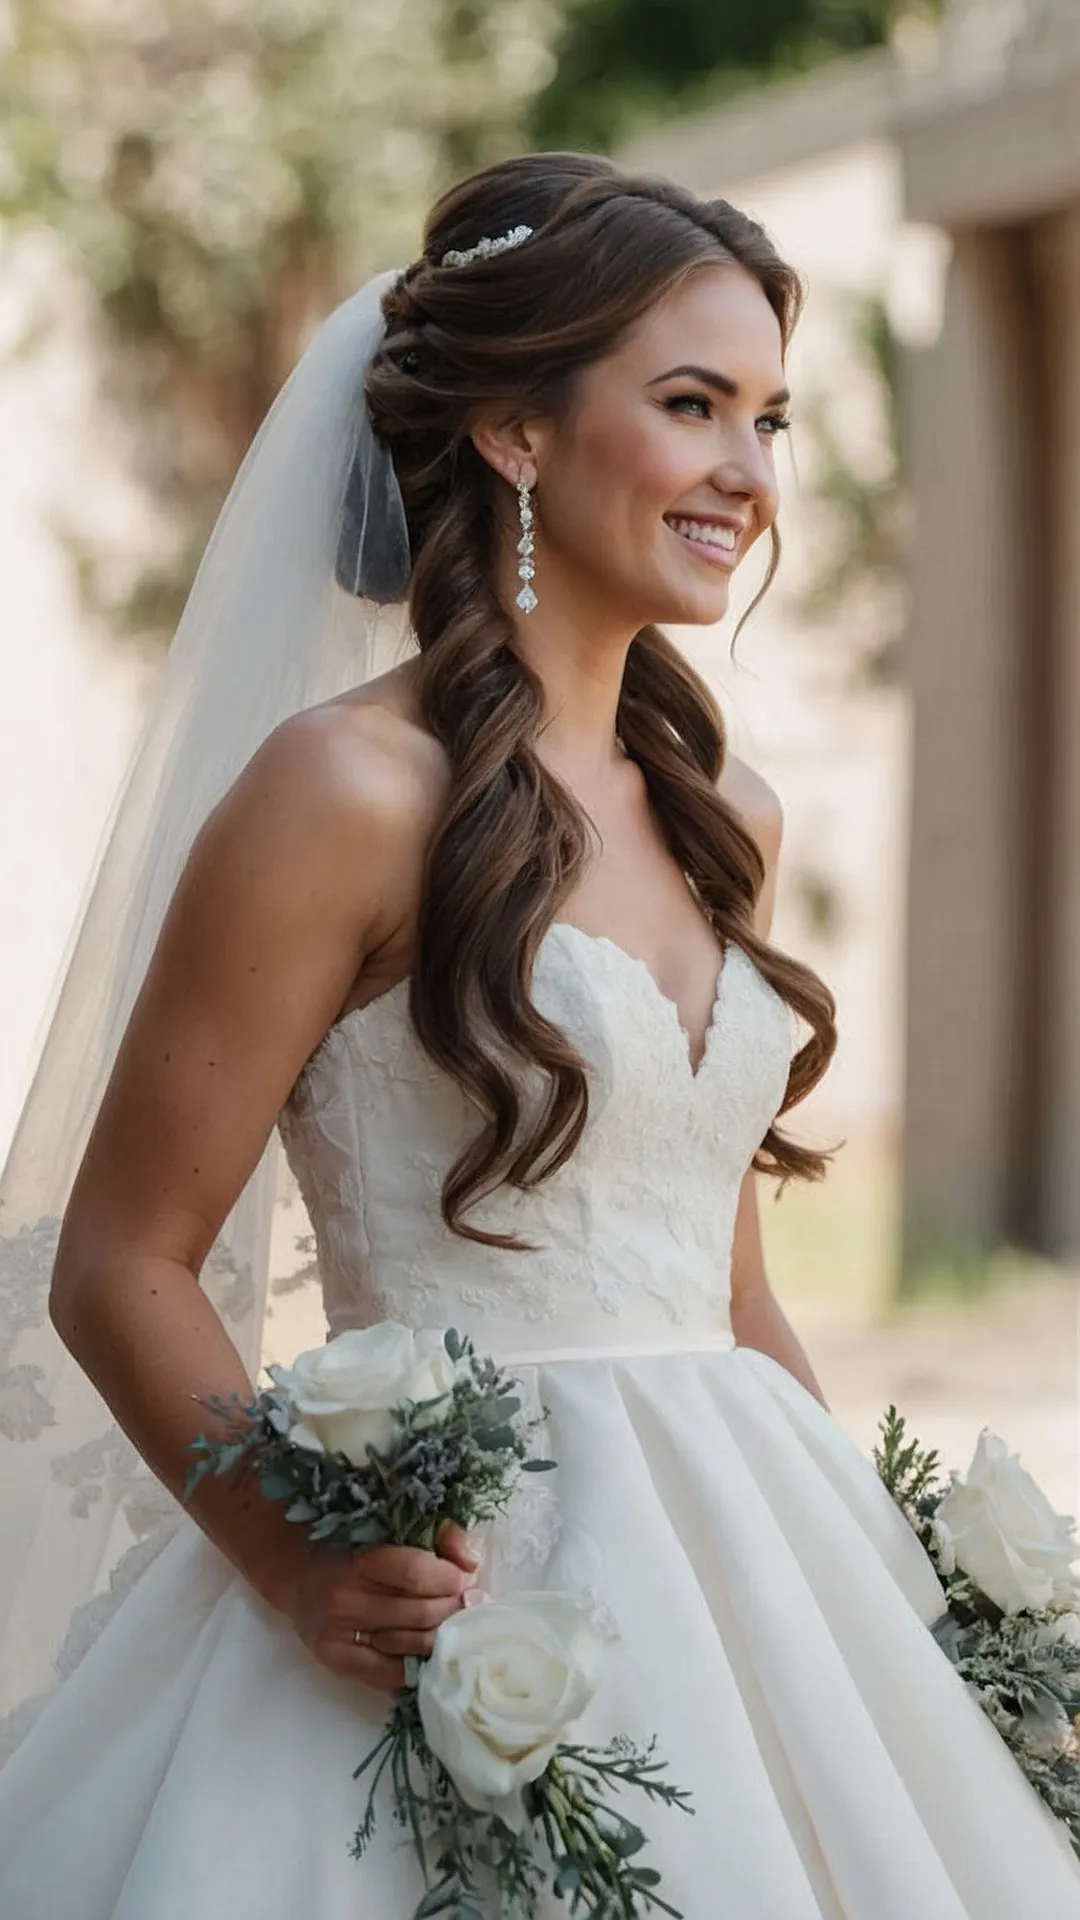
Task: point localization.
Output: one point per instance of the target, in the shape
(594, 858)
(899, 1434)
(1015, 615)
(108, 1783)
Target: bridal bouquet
(1012, 1624)
(381, 1437)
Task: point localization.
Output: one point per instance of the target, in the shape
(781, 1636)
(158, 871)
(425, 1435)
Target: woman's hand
(394, 1597)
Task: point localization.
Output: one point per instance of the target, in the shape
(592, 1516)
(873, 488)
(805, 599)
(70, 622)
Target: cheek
(648, 466)
(619, 480)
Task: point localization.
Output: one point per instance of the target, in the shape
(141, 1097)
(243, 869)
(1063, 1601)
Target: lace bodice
(631, 1238)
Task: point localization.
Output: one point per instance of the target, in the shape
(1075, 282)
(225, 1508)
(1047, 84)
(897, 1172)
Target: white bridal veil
(299, 595)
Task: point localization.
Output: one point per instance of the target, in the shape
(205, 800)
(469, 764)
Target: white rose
(343, 1395)
(998, 1527)
(502, 1685)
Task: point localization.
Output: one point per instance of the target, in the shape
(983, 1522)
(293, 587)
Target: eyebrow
(721, 383)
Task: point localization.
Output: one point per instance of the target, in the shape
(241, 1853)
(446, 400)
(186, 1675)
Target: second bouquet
(382, 1437)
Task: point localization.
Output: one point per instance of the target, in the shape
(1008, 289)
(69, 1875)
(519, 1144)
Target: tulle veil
(300, 594)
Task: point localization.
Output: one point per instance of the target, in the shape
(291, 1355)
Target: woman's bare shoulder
(361, 761)
(336, 809)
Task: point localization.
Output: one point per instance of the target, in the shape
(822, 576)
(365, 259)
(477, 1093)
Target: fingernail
(475, 1545)
(475, 1597)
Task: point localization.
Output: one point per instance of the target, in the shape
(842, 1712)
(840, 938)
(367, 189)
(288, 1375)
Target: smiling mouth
(718, 545)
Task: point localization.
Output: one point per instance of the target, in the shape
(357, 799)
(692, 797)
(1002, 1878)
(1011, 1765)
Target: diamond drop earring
(526, 599)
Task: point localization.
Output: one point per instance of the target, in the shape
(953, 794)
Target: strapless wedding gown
(770, 1605)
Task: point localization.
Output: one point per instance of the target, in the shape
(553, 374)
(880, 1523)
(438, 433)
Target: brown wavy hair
(516, 330)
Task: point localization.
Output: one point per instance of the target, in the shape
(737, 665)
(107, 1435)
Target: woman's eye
(694, 399)
(775, 422)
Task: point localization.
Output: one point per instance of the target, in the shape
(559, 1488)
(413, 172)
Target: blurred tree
(219, 173)
(625, 63)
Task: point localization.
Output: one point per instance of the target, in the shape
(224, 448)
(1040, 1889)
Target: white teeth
(708, 535)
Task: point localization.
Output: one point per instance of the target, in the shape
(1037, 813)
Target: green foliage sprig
(908, 1471)
(475, 1865)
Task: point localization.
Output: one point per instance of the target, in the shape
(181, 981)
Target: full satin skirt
(773, 1611)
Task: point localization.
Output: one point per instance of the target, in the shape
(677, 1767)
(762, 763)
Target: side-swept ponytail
(512, 840)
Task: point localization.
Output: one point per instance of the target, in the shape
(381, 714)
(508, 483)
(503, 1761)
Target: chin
(668, 602)
(698, 609)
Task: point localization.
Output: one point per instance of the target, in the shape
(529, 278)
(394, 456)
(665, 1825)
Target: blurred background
(187, 186)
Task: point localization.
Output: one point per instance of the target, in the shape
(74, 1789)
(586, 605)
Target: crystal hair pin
(485, 248)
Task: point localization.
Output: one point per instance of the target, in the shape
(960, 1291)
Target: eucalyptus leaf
(445, 1898)
(196, 1475)
(227, 1457)
(431, 1414)
(368, 1532)
(275, 1486)
(329, 1524)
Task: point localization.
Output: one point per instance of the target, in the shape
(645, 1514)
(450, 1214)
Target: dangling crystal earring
(526, 599)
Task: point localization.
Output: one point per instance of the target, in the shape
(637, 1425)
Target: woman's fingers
(452, 1544)
(376, 1669)
(410, 1571)
(384, 1612)
(396, 1645)
(391, 1604)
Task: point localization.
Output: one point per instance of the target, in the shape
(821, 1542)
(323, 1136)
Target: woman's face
(661, 476)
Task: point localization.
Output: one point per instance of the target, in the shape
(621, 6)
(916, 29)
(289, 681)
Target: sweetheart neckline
(665, 1000)
(603, 940)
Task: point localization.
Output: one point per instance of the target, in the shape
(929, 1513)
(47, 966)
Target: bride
(484, 937)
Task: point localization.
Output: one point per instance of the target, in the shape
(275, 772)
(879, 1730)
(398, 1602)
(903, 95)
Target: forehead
(718, 318)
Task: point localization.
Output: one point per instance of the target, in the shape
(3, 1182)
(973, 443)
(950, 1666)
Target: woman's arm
(757, 1318)
(290, 884)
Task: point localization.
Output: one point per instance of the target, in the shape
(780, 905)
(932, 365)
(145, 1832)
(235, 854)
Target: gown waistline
(722, 1341)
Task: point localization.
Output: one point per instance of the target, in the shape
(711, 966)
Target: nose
(746, 472)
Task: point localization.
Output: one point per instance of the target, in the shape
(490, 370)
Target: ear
(509, 448)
